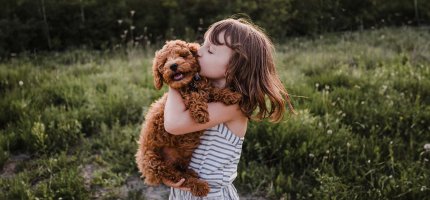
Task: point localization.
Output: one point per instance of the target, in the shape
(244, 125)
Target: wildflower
(391, 142)
(329, 132)
(21, 83)
(391, 176)
(311, 155)
(317, 85)
(132, 27)
(119, 21)
(423, 188)
(348, 144)
(368, 161)
(132, 12)
(327, 152)
(327, 87)
(427, 147)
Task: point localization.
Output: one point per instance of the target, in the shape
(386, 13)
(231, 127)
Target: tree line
(39, 25)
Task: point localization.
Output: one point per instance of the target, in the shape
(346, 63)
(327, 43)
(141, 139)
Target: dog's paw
(200, 189)
(201, 117)
(232, 98)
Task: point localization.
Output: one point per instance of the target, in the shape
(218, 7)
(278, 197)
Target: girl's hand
(176, 185)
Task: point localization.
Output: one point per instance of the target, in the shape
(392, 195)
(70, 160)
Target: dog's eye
(184, 54)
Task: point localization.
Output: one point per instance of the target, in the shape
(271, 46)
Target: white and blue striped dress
(215, 160)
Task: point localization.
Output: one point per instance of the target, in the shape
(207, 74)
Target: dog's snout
(174, 66)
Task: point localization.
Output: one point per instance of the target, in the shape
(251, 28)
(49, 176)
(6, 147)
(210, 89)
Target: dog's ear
(194, 47)
(157, 64)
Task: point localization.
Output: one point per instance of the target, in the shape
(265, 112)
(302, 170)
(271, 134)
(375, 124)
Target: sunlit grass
(70, 121)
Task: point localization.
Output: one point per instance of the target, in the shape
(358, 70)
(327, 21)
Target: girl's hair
(251, 69)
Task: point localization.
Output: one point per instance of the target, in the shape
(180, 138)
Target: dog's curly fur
(163, 155)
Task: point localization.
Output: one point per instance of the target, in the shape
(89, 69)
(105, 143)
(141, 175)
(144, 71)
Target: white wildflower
(311, 155)
(329, 132)
(427, 147)
(21, 83)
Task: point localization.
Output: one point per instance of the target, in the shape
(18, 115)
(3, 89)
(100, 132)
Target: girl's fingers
(176, 185)
(179, 183)
(184, 189)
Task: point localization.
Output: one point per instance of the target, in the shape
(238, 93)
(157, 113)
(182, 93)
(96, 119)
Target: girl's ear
(194, 47)
(157, 64)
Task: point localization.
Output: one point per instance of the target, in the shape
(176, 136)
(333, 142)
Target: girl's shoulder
(238, 125)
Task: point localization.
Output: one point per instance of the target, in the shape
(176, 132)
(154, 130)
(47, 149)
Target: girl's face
(213, 60)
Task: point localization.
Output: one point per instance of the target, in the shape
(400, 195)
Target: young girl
(238, 55)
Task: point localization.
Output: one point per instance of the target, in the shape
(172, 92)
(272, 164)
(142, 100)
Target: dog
(161, 155)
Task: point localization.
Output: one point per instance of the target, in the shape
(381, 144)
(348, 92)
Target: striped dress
(215, 160)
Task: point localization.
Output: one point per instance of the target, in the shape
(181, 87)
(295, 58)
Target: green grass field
(69, 122)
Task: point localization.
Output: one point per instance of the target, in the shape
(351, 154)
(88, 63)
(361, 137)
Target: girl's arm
(178, 121)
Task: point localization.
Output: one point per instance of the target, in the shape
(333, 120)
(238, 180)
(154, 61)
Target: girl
(235, 54)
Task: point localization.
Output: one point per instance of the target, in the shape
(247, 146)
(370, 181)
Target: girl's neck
(219, 83)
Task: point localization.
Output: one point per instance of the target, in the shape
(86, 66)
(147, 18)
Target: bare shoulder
(238, 122)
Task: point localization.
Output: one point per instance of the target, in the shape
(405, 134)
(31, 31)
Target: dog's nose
(174, 66)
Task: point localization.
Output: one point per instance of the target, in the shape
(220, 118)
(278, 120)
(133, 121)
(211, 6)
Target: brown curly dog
(163, 155)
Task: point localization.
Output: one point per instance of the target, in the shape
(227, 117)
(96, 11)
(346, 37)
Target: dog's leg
(198, 107)
(156, 169)
(225, 96)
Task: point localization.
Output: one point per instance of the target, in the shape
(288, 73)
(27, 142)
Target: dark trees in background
(37, 25)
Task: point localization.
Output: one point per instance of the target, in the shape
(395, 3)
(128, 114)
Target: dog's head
(175, 64)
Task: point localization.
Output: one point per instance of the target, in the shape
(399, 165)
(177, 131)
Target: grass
(70, 121)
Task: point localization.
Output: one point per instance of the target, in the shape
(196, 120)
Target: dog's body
(162, 155)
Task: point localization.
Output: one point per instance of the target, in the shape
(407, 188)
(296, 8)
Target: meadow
(70, 120)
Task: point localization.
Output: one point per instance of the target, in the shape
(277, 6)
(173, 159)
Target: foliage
(362, 124)
(34, 26)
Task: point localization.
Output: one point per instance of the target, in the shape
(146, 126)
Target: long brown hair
(251, 69)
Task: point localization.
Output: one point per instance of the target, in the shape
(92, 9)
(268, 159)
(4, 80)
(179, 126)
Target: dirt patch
(9, 168)
(135, 186)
